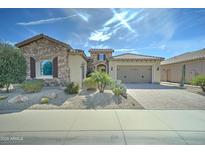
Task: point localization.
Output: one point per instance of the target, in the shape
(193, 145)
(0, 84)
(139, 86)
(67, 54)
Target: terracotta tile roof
(101, 50)
(132, 56)
(199, 54)
(34, 38)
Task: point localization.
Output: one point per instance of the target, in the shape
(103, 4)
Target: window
(46, 68)
(101, 56)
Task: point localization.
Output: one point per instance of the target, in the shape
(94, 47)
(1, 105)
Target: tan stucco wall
(193, 68)
(75, 65)
(155, 64)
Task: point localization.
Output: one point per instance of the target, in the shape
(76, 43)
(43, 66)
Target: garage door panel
(139, 74)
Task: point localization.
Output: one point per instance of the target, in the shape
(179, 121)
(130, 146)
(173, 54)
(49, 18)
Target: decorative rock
(62, 88)
(51, 95)
(44, 100)
(3, 97)
(18, 99)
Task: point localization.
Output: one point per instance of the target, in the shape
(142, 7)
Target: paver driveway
(156, 96)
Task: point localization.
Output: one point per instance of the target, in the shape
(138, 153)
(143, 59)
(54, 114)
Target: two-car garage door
(134, 74)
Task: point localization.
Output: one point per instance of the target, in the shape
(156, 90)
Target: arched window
(46, 68)
(101, 67)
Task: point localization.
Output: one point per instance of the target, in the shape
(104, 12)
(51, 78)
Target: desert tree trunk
(7, 87)
(203, 88)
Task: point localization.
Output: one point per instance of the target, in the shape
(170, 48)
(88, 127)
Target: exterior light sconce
(157, 68)
(111, 68)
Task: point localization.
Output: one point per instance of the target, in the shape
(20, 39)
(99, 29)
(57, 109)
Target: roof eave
(134, 59)
(183, 61)
(34, 38)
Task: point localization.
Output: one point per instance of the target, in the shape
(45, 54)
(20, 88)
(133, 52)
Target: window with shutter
(101, 56)
(32, 67)
(55, 67)
(104, 57)
(98, 57)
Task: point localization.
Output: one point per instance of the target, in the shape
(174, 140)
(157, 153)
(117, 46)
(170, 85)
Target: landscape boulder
(18, 99)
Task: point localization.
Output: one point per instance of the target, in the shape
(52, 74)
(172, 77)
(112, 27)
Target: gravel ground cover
(19, 100)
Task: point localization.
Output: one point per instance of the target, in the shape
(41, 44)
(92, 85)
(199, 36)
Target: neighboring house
(53, 60)
(57, 62)
(193, 62)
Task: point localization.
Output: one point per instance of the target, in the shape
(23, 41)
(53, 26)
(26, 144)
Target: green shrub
(44, 100)
(102, 79)
(117, 91)
(32, 86)
(89, 84)
(199, 81)
(72, 88)
(12, 64)
(118, 87)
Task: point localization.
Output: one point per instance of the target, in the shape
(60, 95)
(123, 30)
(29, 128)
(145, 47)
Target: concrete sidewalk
(103, 127)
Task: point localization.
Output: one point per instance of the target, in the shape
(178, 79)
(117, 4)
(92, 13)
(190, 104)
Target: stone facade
(42, 49)
(93, 62)
(94, 55)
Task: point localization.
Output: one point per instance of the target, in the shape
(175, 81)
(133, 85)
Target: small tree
(199, 81)
(12, 65)
(102, 79)
(183, 76)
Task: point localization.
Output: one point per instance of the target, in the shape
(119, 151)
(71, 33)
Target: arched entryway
(101, 67)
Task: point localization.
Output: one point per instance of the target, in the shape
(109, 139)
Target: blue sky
(158, 32)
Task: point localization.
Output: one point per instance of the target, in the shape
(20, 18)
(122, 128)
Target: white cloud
(127, 50)
(79, 13)
(10, 42)
(118, 21)
(100, 46)
(121, 19)
(163, 47)
(83, 16)
(115, 17)
(44, 21)
(101, 34)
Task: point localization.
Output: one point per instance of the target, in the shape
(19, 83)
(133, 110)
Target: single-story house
(57, 62)
(193, 64)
